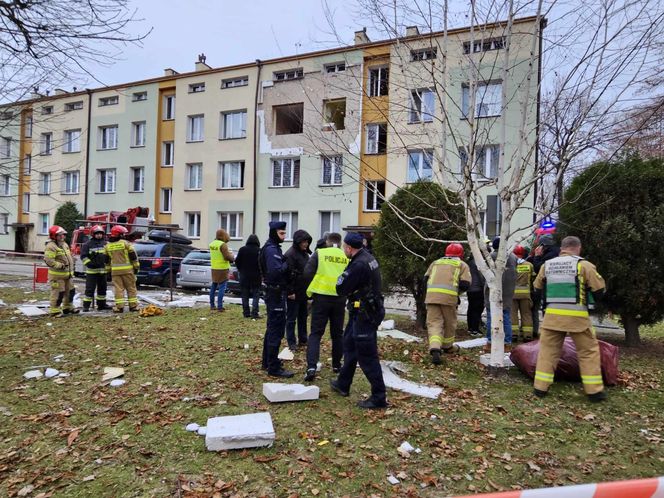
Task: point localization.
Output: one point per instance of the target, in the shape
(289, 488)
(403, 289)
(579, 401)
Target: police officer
(361, 282)
(57, 257)
(93, 257)
(571, 285)
(274, 270)
(323, 270)
(522, 302)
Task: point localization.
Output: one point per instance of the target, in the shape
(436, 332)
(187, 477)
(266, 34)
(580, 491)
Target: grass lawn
(81, 438)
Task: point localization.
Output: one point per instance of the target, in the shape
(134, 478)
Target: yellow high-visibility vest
(331, 264)
(217, 260)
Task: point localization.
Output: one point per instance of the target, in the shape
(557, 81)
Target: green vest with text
(217, 260)
(331, 264)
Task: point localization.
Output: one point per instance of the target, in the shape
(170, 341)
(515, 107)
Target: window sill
(410, 182)
(165, 212)
(45, 153)
(105, 192)
(43, 193)
(166, 166)
(371, 210)
(329, 185)
(110, 148)
(168, 119)
(232, 138)
(375, 153)
(69, 193)
(194, 237)
(230, 88)
(419, 122)
(71, 151)
(193, 190)
(194, 141)
(230, 188)
(288, 186)
(137, 146)
(287, 134)
(236, 238)
(465, 118)
(137, 191)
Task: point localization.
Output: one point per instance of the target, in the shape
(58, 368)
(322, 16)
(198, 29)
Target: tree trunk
(631, 324)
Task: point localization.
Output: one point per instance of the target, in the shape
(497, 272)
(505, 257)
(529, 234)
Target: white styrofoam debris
(485, 360)
(150, 300)
(395, 382)
(202, 431)
(50, 373)
(277, 392)
(406, 446)
(31, 310)
(319, 366)
(239, 431)
(33, 374)
(117, 382)
(49, 324)
(386, 325)
(392, 480)
(112, 373)
(64, 374)
(397, 334)
(286, 355)
(193, 427)
(246, 346)
(472, 343)
(2, 303)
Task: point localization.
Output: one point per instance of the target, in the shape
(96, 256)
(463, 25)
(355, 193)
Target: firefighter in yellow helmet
(57, 257)
(571, 286)
(122, 262)
(447, 277)
(522, 301)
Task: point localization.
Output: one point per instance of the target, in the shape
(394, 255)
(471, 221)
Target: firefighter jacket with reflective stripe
(567, 282)
(121, 257)
(93, 256)
(524, 279)
(59, 261)
(331, 264)
(444, 276)
(217, 260)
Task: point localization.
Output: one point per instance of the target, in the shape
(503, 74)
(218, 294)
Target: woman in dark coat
(296, 304)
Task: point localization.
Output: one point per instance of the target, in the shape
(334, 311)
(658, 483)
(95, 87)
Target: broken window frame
(378, 81)
(424, 54)
(374, 195)
(284, 110)
(422, 106)
(376, 138)
(331, 113)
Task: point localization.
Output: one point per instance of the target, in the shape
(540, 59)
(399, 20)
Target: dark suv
(156, 266)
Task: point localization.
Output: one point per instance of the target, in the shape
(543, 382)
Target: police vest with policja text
(331, 264)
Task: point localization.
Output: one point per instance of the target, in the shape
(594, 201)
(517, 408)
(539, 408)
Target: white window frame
(108, 137)
(235, 82)
(230, 175)
(197, 87)
(228, 219)
(44, 223)
(294, 166)
(487, 161)
(25, 208)
(372, 193)
(139, 97)
(422, 153)
(107, 177)
(422, 105)
(196, 216)
(5, 185)
(196, 128)
(28, 126)
(110, 100)
(424, 54)
(6, 149)
(141, 178)
(334, 224)
(72, 141)
(492, 108)
(71, 182)
(193, 176)
(230, 132)
(334, 67)
(291, 219)
(27, 164)
(46, 144)
(372, 133)
(138, 129)
(169, 105)
(46, 110)
(73, 106)
(336, 166)
(288, 74)
(45, 181)
(167, 154)
(166, 200)
(382, 74)
(4, 223)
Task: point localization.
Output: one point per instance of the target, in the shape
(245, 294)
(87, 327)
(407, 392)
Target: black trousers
(326, 309)
(95, 281)
(361, 346)
(475, 309)
(275, 302)
(249, 290)
(537, 305)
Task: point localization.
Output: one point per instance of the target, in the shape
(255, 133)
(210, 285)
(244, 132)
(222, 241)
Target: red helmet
(519, 252)
(96, 229)
(56, 230)
(454, 250)
(119, 231)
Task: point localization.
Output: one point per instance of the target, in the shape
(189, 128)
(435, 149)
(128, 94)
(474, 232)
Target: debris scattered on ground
(485, 359)
(239, 431)
(182, 303)
(150, 300)
(2, 303)
(472, 343)
(117, 382)
(58, 357)
(286, 355)
(150, 310)
(29, 310)
(5, 411)
(193, 427)
(202, 431)
(51, 372)
(112, 373)
(26, 490)
(406, 449)
(393, 381)
(392, 480)
(277, 392)
(33, 374)
(386, 325)
(397, 334)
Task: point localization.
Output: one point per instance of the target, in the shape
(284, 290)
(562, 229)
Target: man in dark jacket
(274, 271)
(545, 250)
(508, 286)
(297, 257)
(475, 296)
(246, 263)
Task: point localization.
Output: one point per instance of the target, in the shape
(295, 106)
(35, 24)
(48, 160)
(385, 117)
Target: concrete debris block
(117, 382)
(286, 355)
(278, 393)
(2, 303)
(112, 373)
(150, 300)
(397, 334)
(202, 431)
(392, 480)
(239, 431)
(393, 381)
(181, 303)
(51, 372)
(485, 360)
(386, 325)
(31, 311)
(472, 343)
(193, 427)
(33, 374)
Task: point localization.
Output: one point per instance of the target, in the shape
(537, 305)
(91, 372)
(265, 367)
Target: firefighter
(122, 262)
(93, 257)
(57, 257)
(522, 302)
(571, 286)
(446, 278)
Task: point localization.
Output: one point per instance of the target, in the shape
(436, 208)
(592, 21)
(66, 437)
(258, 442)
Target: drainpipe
(87, 157)
(258, 81)
(537, 118)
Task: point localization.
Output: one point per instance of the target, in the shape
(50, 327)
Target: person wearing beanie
(221, 258)
(546, 250)
(246, 263)
(361, 283)
(274, 270)
(296, 304)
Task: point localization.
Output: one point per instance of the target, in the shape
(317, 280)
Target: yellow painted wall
(165, 133)
(23, 179)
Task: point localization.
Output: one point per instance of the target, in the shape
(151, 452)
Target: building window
(290, 217)
(290, 74)
(484, 45)
(74, 106)
(139, 96)
(378, 81)
(72, 141)
(46, 144)
(376, 138)
(193, 224)
(6, 148)
(336, 67)
(47, 109)
(169, 107)
(374, 194)
(194, 176)
(44, 223)
(231, 175)
(25, 209)
(233, 82)
(232, 223)
(137, 179)
(167, 154)
(195, 126)
(4, 223)
(486, 162)
(332, 170)
(288, 118)
(422, 106)
(419, 165)
(70, 182)
(108, 137)
(106, 181)
(44, 183)
(138, 134)
(424, 54)
(488, 100)
(285, 172)
(334, 113)
(330, 221)
(28, 126)
(7, 115)
(166, 200)
(113, 100)
(5, 186)
(197, 88)
(27, 164)
(491, 217)
(233, 124)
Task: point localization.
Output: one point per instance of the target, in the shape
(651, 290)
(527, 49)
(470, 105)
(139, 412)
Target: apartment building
(318, 140)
